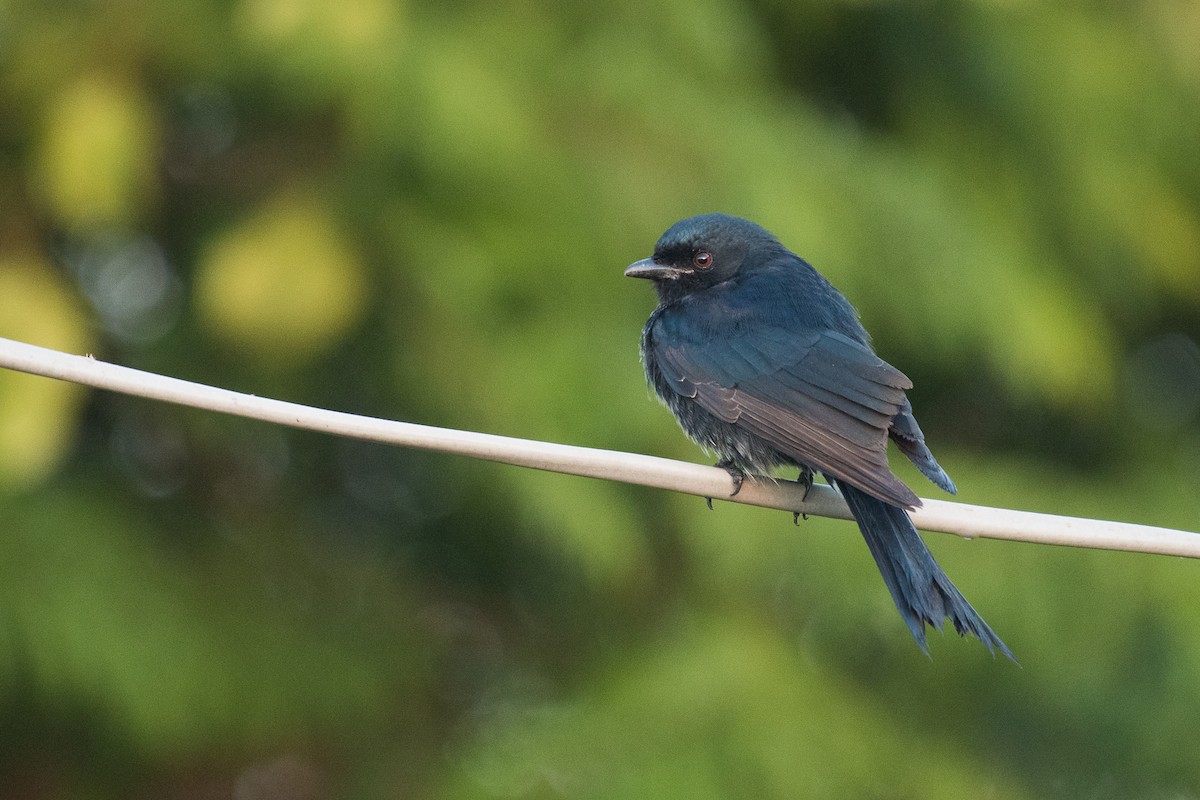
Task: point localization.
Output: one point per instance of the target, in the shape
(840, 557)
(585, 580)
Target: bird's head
(699, 252)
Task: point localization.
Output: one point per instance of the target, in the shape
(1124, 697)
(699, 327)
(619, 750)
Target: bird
(766, 365)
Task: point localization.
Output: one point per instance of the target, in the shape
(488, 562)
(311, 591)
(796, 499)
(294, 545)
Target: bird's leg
(735, 472)
(805, 479)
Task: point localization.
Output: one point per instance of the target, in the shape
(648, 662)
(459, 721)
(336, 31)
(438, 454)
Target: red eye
(702, 259)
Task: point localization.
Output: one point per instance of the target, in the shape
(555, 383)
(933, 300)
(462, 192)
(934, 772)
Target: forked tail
(922, 591)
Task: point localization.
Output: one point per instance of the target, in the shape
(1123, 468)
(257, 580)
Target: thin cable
(960, 519)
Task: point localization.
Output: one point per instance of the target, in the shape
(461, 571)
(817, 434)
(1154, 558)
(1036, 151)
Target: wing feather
(821, 398)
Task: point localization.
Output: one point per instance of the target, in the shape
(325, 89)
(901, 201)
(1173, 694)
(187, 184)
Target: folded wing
(821, 398)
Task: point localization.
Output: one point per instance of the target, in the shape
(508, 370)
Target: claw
(735, 472)
(709, 501)
(805, 479)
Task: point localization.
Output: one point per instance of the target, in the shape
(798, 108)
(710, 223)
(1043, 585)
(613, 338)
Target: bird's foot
(805, 479)
(735, 472)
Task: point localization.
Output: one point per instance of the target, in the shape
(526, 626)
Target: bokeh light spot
(284, 285)
(99, 155)
(40, 415)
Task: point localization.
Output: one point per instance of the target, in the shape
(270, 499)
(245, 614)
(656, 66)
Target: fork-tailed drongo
(764, 363)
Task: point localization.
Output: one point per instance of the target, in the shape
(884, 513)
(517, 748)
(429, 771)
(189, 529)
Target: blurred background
(422, 211)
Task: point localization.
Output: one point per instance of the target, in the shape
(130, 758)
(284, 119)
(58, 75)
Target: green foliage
(422, 211)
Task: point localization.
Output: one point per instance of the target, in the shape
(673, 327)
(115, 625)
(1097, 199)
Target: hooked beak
(648, 268)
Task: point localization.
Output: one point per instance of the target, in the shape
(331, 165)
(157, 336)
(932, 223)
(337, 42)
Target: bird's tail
(923, 593)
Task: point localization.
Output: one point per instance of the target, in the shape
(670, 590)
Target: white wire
(961, 519)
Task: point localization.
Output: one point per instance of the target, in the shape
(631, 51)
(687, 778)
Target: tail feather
(922, 591)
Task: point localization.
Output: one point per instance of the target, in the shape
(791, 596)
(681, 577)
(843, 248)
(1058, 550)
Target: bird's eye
(702, 259)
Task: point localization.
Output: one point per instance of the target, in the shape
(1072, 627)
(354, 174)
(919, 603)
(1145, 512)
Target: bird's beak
(648, 268)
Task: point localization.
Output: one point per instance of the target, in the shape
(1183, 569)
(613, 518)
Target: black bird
(764, 363)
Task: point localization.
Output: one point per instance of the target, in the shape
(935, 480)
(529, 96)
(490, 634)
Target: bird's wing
(822, 398)
(907, 435)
